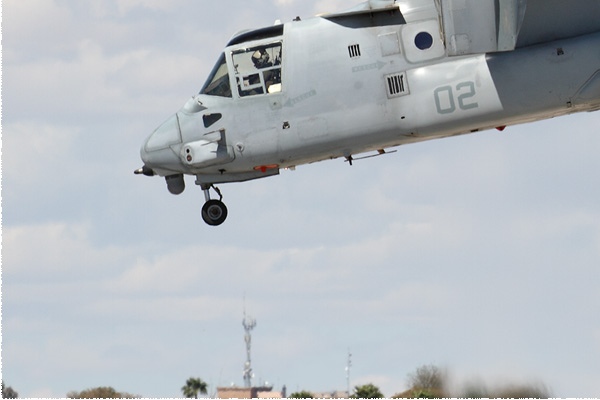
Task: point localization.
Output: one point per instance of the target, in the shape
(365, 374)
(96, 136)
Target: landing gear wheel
(214, 212)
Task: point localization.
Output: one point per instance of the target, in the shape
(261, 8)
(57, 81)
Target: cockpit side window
(218, 81)
(258, 69)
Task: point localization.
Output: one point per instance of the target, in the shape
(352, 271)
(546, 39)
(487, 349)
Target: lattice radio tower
(249, 324)
(348, 365)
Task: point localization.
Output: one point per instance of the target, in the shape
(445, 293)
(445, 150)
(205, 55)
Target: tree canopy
(368, 391)
(301, 395)
(102, 392)
(8, 392)
(427, 377)
(193, 386)
(427, 382)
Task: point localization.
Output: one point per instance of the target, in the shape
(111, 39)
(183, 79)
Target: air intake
(354, 50)
(397, 85)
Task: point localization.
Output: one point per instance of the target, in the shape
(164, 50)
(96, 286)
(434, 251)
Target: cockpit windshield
(258, 69)
(218, 81)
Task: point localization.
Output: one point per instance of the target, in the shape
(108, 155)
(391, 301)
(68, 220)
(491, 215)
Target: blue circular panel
(424, 41)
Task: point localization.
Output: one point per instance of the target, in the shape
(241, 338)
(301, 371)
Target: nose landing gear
(214, 212)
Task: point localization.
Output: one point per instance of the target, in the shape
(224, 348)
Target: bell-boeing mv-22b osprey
(380, 75)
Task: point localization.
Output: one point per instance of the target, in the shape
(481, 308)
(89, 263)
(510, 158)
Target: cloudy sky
(479, 254)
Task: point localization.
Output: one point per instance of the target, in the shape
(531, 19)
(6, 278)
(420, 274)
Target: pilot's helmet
(260, 58)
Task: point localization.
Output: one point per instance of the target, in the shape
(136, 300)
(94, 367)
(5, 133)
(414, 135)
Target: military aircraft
(382, 74)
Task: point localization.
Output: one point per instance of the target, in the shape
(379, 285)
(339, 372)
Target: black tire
(214, 212)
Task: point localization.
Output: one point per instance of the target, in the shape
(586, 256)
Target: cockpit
(256, 67)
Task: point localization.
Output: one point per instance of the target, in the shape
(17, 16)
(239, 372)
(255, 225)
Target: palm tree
(193, 386)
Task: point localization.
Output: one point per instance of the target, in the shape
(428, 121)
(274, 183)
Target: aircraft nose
(157, 152)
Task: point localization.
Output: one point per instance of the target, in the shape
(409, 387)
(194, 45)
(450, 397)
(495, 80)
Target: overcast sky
(479, 254)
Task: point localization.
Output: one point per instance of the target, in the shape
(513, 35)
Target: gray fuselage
(367, 80)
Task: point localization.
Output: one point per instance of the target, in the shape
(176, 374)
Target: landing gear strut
(214, 212)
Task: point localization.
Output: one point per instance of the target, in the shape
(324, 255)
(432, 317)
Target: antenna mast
(248, 324)
(348, 365)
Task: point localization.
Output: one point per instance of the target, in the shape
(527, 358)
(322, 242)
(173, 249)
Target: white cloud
(185, 267)
(155, 5)
(164, 310)
(42, 251)
(26, 19)
(284, 2)
(29, 145)
(333, 6)
(552, 224)
(93, 83)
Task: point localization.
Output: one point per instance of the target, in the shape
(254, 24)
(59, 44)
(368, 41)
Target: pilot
(260, 58)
